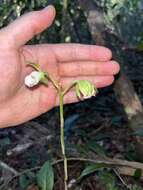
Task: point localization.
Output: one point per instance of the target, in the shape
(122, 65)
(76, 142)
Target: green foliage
(124, 18)
(4, 141)
(138, 174)
(140, 46)
(10, 10)
(91, 146)
(45, 177)
(26, 179)
(95, 147)
(89, 169)
(23, 181)
(108, 179)
(136, 187)
(138, 132)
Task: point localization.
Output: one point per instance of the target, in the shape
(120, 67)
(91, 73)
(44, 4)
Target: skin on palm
(65, 62)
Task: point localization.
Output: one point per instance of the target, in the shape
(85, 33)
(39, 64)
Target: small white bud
(33, 78)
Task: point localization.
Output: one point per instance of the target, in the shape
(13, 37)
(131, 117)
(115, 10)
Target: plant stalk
(62, 138)
(65, 4)
(65, 91)
(61, 94)
(55, 83)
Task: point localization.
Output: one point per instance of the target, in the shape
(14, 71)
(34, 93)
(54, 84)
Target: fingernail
(49, 7)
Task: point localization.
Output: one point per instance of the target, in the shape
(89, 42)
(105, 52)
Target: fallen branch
(122, 166)
(6, 167)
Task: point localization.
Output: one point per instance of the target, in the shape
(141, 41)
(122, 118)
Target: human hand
(66, 62)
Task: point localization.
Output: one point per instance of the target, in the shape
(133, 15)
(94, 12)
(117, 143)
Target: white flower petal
(33, 79)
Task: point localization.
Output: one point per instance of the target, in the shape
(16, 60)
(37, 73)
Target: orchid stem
(62, 139)
(61, 94)
(69, 87)
(65, 4)
(54, 83)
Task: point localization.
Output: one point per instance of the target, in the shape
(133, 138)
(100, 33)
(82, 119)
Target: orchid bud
(85, 89)
(34, 78)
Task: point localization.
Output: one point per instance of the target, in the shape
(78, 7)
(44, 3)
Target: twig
(121, 179)
(108, 161)
(6, 167)
(98, 129)
(19, 148)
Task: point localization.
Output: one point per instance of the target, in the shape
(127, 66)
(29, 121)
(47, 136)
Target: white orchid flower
(34, 78)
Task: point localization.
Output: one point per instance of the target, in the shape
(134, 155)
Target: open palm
(65, 62)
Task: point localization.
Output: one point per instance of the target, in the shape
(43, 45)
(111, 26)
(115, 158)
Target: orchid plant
(83, 88)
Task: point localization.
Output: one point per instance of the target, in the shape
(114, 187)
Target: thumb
(27, 26)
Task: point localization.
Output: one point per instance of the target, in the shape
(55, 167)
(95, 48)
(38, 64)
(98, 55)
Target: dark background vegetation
(95, 128)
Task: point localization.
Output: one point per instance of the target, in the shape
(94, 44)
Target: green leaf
(44, 81)
(92, 145)
(45, 177)
(83, 150)
(23, 181)
(138, 174)
(140, 46)
(111, 187)
(91, 168)
(138, 132)
(135, 187)
(5, 141)
(82, 133)
(107, 178)
(116, 120)
(101, 136)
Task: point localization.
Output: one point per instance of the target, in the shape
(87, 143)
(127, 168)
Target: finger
(78, 52)
(71, 52)
(98, 81)
(88, 68)
(28, 25)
